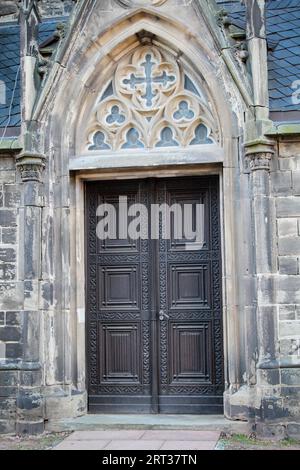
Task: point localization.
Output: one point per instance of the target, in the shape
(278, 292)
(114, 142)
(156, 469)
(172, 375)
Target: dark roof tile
(283, 30)
(10, 112)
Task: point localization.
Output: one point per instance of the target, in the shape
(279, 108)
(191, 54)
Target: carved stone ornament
(150, 103)
(31, 166)
(260, 161)
(8, 7)
(140, 3)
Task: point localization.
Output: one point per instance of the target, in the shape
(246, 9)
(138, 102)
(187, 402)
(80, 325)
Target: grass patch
(43, 442)
(243, 442)
(289, 442)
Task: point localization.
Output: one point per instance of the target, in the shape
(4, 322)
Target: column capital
(31, 166)
(260, 161)
(260, 154)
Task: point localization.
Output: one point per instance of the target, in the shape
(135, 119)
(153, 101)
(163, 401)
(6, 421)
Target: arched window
(151, 102)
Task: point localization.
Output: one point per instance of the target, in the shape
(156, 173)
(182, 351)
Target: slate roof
(283, 26)
(10, 76)
(283, 30)
(10, 116)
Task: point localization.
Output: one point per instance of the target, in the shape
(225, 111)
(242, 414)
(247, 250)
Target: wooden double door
(154, 305)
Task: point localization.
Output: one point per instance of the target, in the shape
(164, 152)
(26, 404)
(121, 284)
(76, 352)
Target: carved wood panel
(191, 340)
(138, 287)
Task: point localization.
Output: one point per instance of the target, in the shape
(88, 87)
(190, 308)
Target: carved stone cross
(149, 80)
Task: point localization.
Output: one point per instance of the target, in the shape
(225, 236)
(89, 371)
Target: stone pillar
(30, 406)
(259, 152)
(267, 373)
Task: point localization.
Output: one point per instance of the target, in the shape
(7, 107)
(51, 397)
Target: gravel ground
(44, 442)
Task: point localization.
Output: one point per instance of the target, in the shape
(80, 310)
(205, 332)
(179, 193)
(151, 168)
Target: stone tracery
(150, 103)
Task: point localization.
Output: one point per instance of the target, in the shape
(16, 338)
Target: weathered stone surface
(7, 177)
(296, 182)
(11, 295)
(288, 265)
(7, 255)
(290, 377)
(13, 318)
(56, 7)
(271, 431)
(287, 312)
(282, 182)
(12, 197)
(288, 289)
(288, 207)
(287, 227)
(289, 246)
(293, 430)
(291, 164)
(14, 350)
(9, 333)
(7, 272)
(289, 149)
(9, 236)
(289, 329)
(7, 218)
(8, 378)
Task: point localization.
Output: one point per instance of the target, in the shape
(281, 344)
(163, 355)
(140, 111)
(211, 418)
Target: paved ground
(140, 440)
(48, 441)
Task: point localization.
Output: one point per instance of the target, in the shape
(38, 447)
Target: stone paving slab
(140, 440)
(109, 435)
(184, 445)
(182, 435)
(82, 445)
(134, 445)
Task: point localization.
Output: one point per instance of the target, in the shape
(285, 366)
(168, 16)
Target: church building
(161, 103)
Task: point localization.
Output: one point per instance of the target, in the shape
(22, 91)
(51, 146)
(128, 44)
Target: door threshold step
(98, 422)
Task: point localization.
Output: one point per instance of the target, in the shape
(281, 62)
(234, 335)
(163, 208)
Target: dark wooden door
(154, 313)
(190, 306)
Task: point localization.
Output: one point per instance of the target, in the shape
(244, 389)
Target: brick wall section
(10, 318)
(286, 189)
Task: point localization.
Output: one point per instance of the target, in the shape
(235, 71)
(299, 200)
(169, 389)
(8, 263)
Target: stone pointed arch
(84, 66)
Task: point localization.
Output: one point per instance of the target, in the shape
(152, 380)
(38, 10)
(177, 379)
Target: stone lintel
(207, 154)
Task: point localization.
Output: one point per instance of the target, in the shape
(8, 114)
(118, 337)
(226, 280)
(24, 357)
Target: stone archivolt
(150, 103)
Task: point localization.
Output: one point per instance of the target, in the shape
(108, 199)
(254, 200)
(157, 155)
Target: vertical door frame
(78, 247)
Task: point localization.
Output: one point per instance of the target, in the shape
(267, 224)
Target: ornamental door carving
(154, 308)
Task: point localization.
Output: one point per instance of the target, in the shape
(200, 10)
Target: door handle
(163, 316)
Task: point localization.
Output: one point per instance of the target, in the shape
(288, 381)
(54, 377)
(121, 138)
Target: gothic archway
(92, 122)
